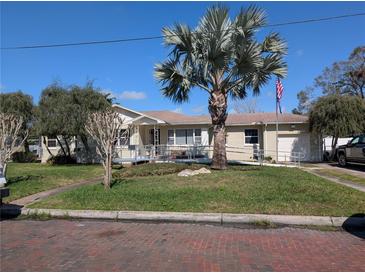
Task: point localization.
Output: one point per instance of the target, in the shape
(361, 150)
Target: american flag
(279, 89)
(279, 92)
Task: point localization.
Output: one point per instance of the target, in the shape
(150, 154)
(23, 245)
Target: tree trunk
(107, 170)
(67, 146)
(218, 113)
(59, 142)
(333, 147)
(5, 165)
(2, 168)
(84, 142)
(45, 144)
(26, 145)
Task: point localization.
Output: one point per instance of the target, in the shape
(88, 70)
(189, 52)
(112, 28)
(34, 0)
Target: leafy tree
(337, 116)
(21, 105)
(222, 57)
(305, 100)
(53, 113)
(345, 77)
(62, 112)
(85, 100)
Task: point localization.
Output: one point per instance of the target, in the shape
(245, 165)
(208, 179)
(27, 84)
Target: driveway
(64, 245)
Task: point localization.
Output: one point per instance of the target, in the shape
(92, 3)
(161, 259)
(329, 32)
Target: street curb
(186, 217)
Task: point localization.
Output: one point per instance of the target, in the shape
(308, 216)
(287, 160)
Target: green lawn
(27, 179)
(237, 190)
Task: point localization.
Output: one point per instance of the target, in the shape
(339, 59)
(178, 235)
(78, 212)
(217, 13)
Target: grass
(27, 179)
(267, 190)
(342, 175)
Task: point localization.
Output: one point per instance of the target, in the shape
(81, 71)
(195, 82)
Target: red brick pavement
(61, 245)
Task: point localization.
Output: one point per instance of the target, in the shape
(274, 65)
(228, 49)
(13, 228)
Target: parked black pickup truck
(353, 152)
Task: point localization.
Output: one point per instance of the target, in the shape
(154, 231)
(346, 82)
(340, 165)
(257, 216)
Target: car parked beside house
(353, 151)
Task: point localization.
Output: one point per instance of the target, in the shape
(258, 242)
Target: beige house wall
(237, 149)
(292, 130)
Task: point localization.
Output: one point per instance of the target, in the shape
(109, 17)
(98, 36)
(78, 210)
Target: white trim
(139, 113)
(55, 139)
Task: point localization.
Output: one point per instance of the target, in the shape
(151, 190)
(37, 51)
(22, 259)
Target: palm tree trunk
(218, 113)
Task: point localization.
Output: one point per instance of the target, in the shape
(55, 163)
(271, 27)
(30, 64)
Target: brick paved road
(61, 245)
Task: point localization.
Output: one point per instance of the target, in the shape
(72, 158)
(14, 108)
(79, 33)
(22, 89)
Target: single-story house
(176, 135)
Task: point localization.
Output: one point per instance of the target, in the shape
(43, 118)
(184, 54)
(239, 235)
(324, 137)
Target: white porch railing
(202, 153)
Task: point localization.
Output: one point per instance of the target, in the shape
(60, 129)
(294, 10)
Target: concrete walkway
(44, 194)
(336, 179)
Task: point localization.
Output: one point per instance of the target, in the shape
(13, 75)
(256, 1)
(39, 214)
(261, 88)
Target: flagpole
(277, 129)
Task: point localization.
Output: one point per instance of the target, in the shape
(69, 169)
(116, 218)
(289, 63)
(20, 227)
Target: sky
(126, 69)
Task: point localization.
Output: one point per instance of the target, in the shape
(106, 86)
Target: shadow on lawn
(16, 179)
(355, 225)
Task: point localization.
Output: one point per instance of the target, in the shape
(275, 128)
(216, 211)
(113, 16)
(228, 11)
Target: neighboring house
(53, 148)
(167, 134)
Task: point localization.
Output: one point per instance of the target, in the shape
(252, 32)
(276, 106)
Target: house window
(123, 137)
(198, 136)
(170, 137)
(184, 136)
(180, 136)
(251, 136)
(52, 142)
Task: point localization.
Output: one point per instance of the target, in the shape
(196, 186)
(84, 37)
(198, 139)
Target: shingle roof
(233, 119)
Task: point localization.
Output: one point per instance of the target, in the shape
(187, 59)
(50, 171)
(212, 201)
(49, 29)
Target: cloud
(132, 95)
(198, 109)
(178, 110)
(299, 52)
(126, 95)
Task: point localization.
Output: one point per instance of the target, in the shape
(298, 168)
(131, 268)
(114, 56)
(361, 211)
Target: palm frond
(180, 37)
(248, 58)
(275, 64)
(239, 91)
(215, 22)
(274, 44)
(249, 20)
(175, 84)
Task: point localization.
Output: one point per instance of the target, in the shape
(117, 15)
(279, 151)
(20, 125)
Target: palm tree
(223, 58)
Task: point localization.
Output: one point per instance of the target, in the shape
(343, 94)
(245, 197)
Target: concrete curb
(186, 217)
